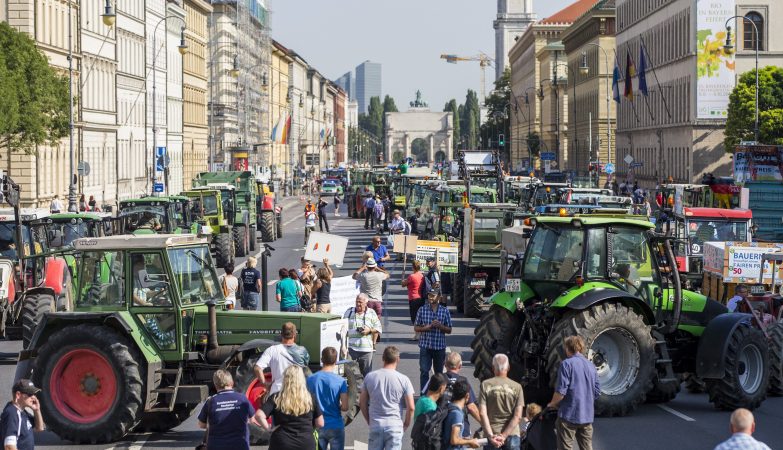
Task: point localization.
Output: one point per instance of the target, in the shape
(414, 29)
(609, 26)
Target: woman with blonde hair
(294, 412)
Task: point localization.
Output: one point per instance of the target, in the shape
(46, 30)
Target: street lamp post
(529, 124)
(584, 69)
(729, 47)
(183, 48)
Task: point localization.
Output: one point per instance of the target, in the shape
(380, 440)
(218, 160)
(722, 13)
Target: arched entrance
(420, 150)
(440, 156)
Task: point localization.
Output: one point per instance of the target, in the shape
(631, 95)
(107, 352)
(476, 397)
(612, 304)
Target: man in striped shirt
(363, 323)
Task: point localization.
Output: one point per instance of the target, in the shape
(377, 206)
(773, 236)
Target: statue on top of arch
(418, 103)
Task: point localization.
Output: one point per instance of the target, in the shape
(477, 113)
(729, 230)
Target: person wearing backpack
(429, 402)
(454, 436)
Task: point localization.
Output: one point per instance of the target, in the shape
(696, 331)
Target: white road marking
(677, 413)
(359, 445)
(137, 445)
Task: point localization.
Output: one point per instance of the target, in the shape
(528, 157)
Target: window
(749, 31)
(150, 282)
(102, 279)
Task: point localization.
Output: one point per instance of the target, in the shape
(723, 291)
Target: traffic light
(502, 140)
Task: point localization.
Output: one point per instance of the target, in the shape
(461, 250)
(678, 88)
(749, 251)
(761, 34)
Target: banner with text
(342, 294)
(447, 254)
(758, 163)
(714, 65)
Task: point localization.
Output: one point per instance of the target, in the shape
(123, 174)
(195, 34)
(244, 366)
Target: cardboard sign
(334, 333)
(322, 246)
(447, 254)
(405, 244)
(342, 294)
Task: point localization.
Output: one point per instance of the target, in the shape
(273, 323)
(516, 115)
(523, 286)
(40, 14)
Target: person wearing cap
(16, 423)
(433, 323)
(280, 357)
(371, 280)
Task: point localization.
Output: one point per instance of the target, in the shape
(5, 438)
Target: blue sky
(406, 36)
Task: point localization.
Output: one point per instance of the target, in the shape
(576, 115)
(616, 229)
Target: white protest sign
(405, 244)
(342, 294)
(322, 246)
(334, 334)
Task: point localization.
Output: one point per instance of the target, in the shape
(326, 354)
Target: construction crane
(484, 61)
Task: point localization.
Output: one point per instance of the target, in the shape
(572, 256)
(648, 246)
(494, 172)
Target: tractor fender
(714, 343)
(249, 345)
(593, 297)
(268, 203)
(55, 274)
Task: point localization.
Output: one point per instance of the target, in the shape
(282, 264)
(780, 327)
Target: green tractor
(139, 349)
(206, 207)
(244, 204)
(478, 277)
(149, 215)
(440, 205)
(614, 282)
(361, 187)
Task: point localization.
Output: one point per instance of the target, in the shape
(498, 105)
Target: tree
(498, 120)
(742, 109)
(472, 119)
(33, 97)
(389, 105)
(375, 117)
(452, 107)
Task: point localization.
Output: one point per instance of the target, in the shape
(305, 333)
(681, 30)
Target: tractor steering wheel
(157, 300)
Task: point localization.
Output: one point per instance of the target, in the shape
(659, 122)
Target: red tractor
(270, 213)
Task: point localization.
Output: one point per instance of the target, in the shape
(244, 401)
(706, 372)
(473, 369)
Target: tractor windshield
(706, 230)
(8, 240)
(73, 231)
(194, 272)
(554, 253)
(481, 197)
(210, 205)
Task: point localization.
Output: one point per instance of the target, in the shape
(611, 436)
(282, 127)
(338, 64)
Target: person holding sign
(371, 280)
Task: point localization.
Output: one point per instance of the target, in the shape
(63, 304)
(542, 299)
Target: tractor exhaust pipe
(216, 354)
(677, 300)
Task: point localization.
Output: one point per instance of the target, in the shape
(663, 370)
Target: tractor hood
(315, 331)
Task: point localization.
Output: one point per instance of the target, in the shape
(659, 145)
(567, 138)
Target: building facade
(369, 84)
(340, 128)
(589, 43)
(514, 17)
(346, 82)
(676, 131)
(195, 79)
(280, 104)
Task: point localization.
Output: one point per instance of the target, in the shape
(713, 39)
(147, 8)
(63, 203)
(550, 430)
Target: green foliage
(741, 115)
(452, 107)
(375, 117)
(497, 103)
(472, 120)
(33, 97)
(389, 105)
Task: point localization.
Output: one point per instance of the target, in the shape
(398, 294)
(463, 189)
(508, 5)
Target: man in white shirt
(57, 205)
(280, 357)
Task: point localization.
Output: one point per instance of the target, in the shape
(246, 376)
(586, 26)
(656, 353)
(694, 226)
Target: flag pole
(633, 107)
(646, 100)
(655, 74)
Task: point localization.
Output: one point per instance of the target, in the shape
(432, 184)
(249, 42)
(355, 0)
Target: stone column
(406, 141)
(431, 153)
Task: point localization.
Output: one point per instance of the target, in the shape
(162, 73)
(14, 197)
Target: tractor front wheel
(268, 226)
(494, 334)
(92, 384)
(224, 250)
(240, 240)
(621, 347)
(33, 310)
(746, 371)
(252, 238)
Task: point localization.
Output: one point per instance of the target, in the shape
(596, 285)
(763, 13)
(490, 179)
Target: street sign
(160, 151)
(637, 164)
(628, 159)
(157, 187)
(547, 156)
(83, 168)
(609, 168)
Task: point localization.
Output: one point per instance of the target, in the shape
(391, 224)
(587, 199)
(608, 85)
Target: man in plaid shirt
(433, 323)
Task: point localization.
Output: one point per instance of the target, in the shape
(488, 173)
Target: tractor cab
(150, 215)
(694, 226)
(63, 228)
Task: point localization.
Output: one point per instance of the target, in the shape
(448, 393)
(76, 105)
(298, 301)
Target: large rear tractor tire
(245, 382)
(92, 384)
(240, 240)
(458, 292)
(474, 303)
(620, 345)
(279, 221)
(252, 239)
(775, 333)
(494, 334)
(224, 249)
(268, 226)
(159, 422)
(33, 310)
(746, 375)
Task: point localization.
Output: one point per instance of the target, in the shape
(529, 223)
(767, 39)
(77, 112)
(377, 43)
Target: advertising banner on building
(714, 66)
(758, 163)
